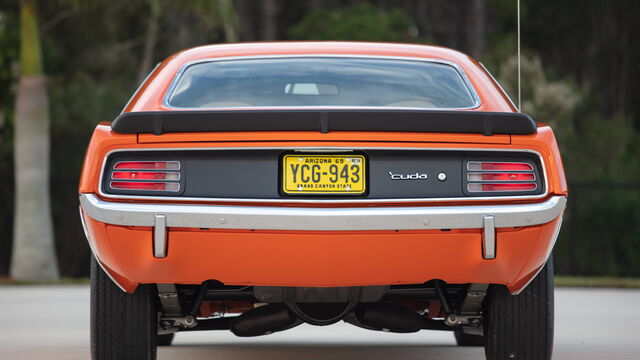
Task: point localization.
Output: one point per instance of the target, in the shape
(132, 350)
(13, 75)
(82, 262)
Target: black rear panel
(255, 174)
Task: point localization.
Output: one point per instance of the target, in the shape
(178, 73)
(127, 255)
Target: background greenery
(580, 72)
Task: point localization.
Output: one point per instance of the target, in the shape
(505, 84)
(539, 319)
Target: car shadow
(312, 351)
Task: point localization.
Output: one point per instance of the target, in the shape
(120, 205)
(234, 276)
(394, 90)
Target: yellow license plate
(323, 174)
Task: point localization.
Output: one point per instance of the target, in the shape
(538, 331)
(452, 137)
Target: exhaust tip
(389, 317)
(264, 320)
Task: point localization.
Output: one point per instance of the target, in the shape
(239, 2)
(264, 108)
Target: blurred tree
(359, 22)
(579, 76)
(601, 164)
(269, 12)
(9, 53)
(476, 28)
(229, 20)
(548, 101)
(150, 39)
(247, 19)
(222, 11)
(34, 257)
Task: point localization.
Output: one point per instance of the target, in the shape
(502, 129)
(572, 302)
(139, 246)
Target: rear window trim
(471, 91)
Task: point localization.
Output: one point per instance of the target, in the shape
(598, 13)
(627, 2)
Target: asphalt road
(51, 322)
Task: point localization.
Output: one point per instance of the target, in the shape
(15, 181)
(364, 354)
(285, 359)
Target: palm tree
(229, 20)
(33, 250)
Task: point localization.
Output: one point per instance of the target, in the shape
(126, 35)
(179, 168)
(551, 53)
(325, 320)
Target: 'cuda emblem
(415, 176)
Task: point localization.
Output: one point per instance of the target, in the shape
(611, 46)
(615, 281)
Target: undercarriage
(262, 310)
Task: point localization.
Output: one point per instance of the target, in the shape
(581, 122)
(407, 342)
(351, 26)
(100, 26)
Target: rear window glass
(321, 81)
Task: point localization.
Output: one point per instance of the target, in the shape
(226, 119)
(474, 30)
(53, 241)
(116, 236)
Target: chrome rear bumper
(318, 219)
(162, 216)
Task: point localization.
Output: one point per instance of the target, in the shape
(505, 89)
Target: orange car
(255, 187)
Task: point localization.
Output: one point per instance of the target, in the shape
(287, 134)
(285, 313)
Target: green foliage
(601, 232)
(599, 281)
(360, 22)
(92, 77)
(602, 228)
(580, 79)
(549, 101)
(9, 56)
(30, 52)
(602, 165)
(72, 124)
(228, 16)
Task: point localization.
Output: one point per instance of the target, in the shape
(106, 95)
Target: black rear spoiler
(430, 121)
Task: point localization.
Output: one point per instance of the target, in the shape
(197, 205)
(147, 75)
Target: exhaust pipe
(388, 317)
(264, 320)
(383, 316)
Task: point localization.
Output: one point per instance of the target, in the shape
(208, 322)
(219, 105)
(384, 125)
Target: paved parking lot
(51, 322)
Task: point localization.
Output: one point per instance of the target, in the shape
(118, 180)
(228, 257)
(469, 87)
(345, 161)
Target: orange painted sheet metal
(102, 249)
(277, 258)
(544, 142)
(102, 141)
(331, 136)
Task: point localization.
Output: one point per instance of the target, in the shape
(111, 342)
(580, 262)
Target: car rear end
(396, 215)
(426, 211)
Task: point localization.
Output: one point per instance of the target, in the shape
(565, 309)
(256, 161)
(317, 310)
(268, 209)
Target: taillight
(147, 165)
(500, 177)
(160, 176)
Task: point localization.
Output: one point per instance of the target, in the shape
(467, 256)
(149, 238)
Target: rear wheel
(463, 339)
(521, 326)
(123, 326)
(165, 339)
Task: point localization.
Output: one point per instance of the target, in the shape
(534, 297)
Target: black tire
(165, 339)
(123, 326)
(463, 339)
(521, 326)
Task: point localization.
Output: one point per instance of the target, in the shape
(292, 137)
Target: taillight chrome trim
(498, 162)
(478, 168)
(115, 166)
(535, 187)
(114, 171)
(500, 181)
(327, 201)
(177, 184)
(168, 168)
